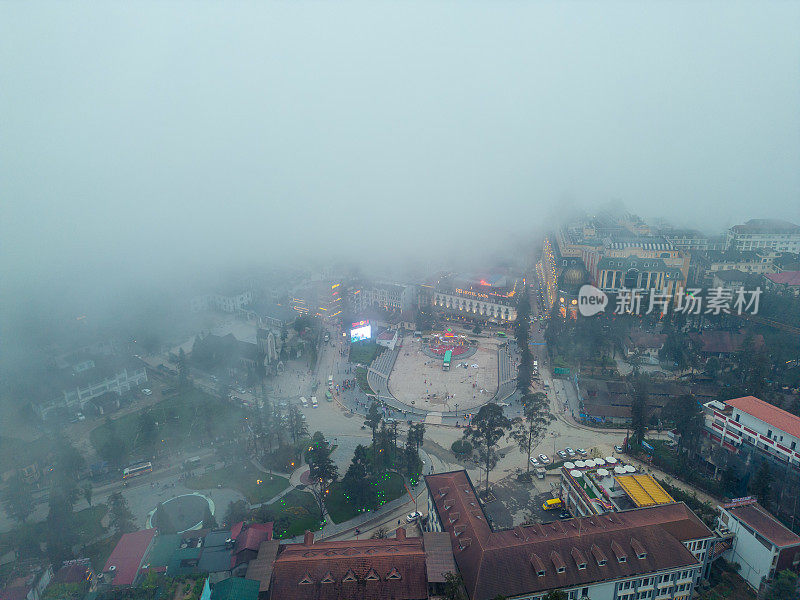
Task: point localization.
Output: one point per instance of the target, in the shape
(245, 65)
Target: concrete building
(754, 430)
(640, 553)
(68, 389)
(758, 542)
(383, 295)
(476, 299)
(772, 234)
(227, 302)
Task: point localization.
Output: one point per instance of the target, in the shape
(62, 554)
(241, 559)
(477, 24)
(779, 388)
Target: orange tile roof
(777, 417)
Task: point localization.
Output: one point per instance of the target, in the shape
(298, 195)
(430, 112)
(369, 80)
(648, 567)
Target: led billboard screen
(361, 330)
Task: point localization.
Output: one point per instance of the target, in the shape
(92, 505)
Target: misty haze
(372, 300)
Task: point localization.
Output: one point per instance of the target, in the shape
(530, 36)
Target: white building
(773, 234)
(759, 543)
(475, 306)
(72, 387)
(228, 303)
(750, 425)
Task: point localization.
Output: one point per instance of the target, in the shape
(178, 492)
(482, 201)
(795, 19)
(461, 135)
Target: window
(561, 569)
(737, 418)
(540, 573)
(581, 566)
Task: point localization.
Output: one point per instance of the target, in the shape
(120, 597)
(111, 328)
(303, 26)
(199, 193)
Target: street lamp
(456, 411)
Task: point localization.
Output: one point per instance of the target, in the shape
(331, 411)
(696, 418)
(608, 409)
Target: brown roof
(438, 555)
(770, 414)
(764, 523)
(355, 569)
(507, 562)
(725, 342)
(260, 568)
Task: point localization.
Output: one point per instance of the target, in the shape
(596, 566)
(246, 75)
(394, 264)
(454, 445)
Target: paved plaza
(419, 380)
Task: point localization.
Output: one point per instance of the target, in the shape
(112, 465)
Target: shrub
(461, 448)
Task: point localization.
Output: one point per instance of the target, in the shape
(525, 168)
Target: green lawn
(244, 478)
(292, 515)
(361, 378)
(183, 420)
(390, 486)
(364, 352)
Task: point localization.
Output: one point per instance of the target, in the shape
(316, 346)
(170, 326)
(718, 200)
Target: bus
(446, 361)
(328, 396)
(135, 470)
(552, 504)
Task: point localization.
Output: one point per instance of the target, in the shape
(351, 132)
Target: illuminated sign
(360, 331)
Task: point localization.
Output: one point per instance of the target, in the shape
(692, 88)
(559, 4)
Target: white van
(303, 401)
(314, 403)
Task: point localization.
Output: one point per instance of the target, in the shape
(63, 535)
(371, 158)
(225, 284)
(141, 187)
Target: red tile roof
(785, 278)
(250, 539)
(724, 342)
(765, 524)
(508, 562)
(353, 569)
(127, 556)
(777, 417)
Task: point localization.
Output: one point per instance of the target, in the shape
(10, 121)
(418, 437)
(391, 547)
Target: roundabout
(181, 513)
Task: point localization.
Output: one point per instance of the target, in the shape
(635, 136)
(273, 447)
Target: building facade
(228, 303)
(635, 554)
(759, 543)
(771, 234)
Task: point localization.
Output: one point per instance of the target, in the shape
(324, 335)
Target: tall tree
(183, 370)
(761, 485)
(86, 490)
(120, 516)
(372, 421)
(416, 433)
(61, 534)
(322, 469)
(783, 587)
(356, 481)
(296, 424)
(17, 499)
(454, 587)
(638, 411)
(527, 430)
(236, 512)
(488, 427)
(147, 432)
(69, 462)
(687, 418)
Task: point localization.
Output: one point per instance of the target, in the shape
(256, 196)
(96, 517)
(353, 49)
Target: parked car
(543, 459)
(570, 452)
(562, 454)
(534, 462)
(413, 516)
(564, 514)
(582, 452)
(147, 392)
(618, 448)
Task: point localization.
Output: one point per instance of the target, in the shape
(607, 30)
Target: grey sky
(136, 135)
